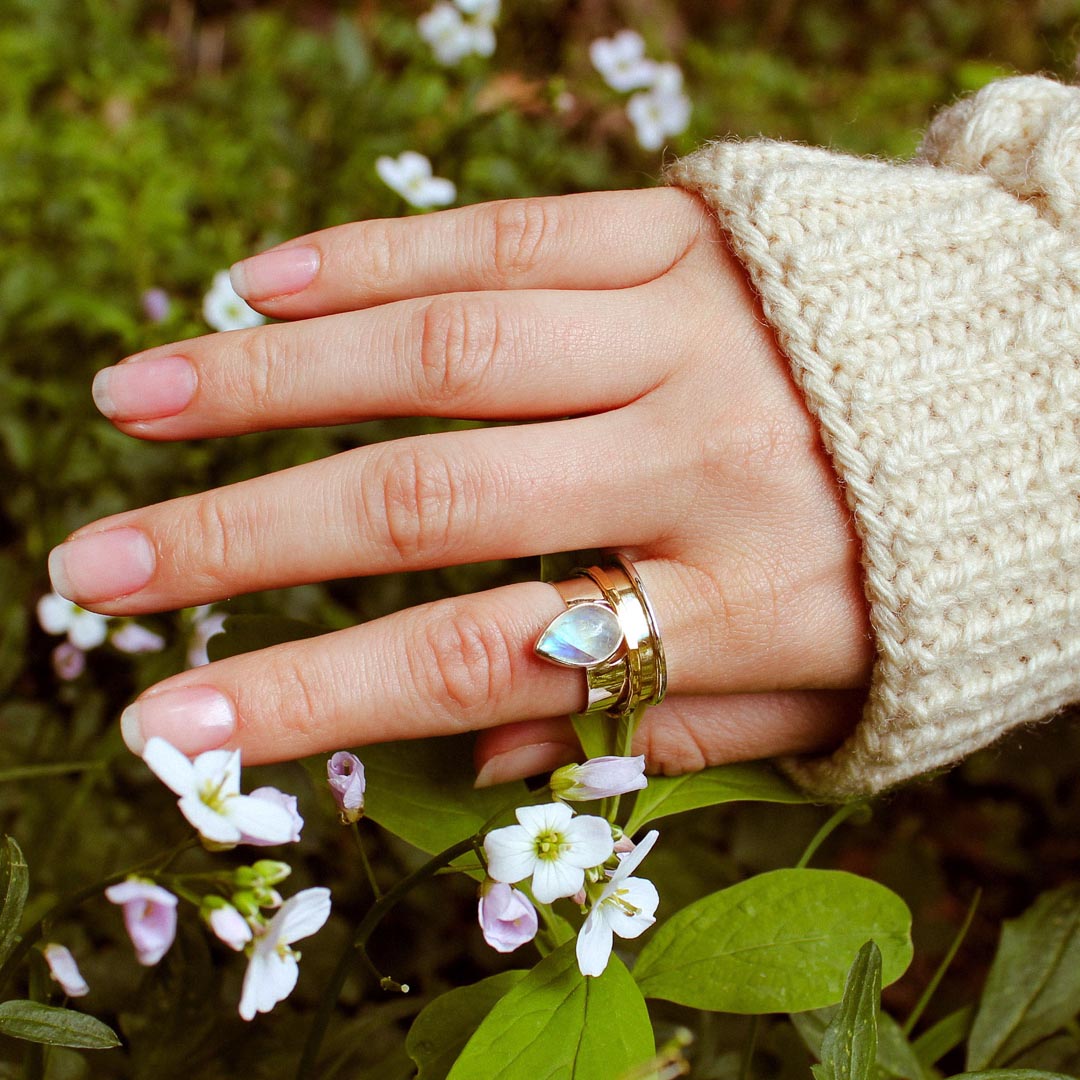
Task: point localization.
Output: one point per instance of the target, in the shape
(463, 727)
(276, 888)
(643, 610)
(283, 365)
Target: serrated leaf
(1033, 988)
(14, 884)
(51, 1026)
(440, 1032)
(744, 782)
(559, 1025)
(246, 633)
(778, 942)
(849, 1045)
(422, 791)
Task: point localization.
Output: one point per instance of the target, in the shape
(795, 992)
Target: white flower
(552, 846)
(599, 778)
(84, 629)
(455, 31)
(485, 11)
(626, 907)
(409, 174)
(204, 626)
(621, 61)
(64, 970)
(133, 638)
(273, 966)
(662, 111)
(209, 790)
(224, 309)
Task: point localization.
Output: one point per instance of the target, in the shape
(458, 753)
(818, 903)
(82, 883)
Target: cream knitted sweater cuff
(931, 315)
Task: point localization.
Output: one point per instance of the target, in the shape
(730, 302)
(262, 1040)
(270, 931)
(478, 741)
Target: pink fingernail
(192, 718)
(525, 761)
(280, 272)
(145, 389)
(102, 566)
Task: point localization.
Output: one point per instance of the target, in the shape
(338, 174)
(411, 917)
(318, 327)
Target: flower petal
(511, 853)
(553, 878)
(54, 613)
(171, 767)
(259, 819)
(594, 943)
(301, 915)
(630, 862)
(64, 970)
(278, 975)
(87, 629)
(639, 893)
(547, 817)
(588, 841)
(218, 769)
(208, 823)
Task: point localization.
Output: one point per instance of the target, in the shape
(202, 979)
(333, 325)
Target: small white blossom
(133, 638)
(409, 174)
(64, 970)
(204, 625)
(550, 845)
(224, 309)
(455, 31)
(626, 906)
(661, 111)
(273, 967)
(84, 629)
(209, 790)
(621, 61)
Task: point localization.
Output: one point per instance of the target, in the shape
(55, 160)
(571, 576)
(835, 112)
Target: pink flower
(64, 970)
(599, 778)
(506, 917)
(133, 638)
(229, 925)
(288, 804)
(149, 915)
(68, 661)
(155, 304)
(345, 775)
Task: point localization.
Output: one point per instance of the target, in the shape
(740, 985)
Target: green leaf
(246, 633)
(440, 1032)
(55, 1027)
(14, 883)
(1033, 988)
(849, 1046)
(422, 791)
(559, 1025)
(1012, 1074)
(895, 1055)
(947, 1034)
(778, 942)
(747, 782)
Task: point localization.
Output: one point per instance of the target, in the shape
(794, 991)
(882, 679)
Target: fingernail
(280, 272)
(192, 718)
(144, 389)
(525, 761)
(102, 566)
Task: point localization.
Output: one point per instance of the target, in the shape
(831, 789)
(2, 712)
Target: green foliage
(778, 942)
(14, 884)
(559, 1023)
(850, 1043)
(34, 1022)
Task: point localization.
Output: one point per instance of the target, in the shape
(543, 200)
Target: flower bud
(227, 924)
(64, 970)
(246, 902)
(507, 916)
(271, 871)
(345, 775)
(599, 778)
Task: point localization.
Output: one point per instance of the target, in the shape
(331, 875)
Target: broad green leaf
(14, 883)
(1012, 1074)
(556, 1024)
(849, 1046)
(440, 1032)
(747, 782)
(422, 790)
(947, 1034)
(1033, 988)
(246, 633)
(54, 1027)
(778, 942)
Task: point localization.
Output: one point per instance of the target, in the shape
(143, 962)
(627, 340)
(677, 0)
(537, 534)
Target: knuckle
(211, 536)
(421, 498)
(460, 341)
(471, 667)
(672, 745)
(251, 384)
(521, 233)
(371, 261)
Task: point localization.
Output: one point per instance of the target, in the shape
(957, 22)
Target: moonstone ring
(609, 630)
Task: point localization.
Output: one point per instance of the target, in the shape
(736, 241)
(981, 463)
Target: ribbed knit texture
(931, 315)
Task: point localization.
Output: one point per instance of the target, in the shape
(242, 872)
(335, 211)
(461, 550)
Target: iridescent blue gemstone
(583, 635)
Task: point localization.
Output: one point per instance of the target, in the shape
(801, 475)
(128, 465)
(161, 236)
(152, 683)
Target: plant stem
(747, 1062)
(368, 872)
(364, 930)
(822, 834)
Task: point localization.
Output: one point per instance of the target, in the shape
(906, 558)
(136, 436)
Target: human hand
(687, 447)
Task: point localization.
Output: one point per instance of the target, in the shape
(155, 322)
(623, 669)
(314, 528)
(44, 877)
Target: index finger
(596, 240)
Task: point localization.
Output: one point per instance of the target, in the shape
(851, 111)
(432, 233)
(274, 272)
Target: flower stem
(822, 834)
(746, 1065)
(365, 928)
(368, 872)
(624, 739)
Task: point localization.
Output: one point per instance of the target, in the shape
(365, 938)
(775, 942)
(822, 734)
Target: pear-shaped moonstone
(581, 636)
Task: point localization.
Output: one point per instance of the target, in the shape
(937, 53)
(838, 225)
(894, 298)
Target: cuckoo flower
(550, 845)
(409, 174)
(273, 967)
(621, 61)
(132, 638)
(287, 803)
(625, 906)
(84, 629)
(209, 790)
(660, 111)
(599, 778)
(227, 924)
(149, 915)
(224, 309)
(204, 625)
(64, 970)
(506, 916)
(345, 775)
(68, 661)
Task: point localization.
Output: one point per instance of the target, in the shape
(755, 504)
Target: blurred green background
(147, 144)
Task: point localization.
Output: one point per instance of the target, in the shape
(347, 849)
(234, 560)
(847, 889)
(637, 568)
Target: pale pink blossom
(599, 778)
(288, 804)
(68, 661)
(345, 775)
(149, 915)
(229, 926)
(507, 917)
(156, 305)
(64, 970)
(133, 638)
(204, 625)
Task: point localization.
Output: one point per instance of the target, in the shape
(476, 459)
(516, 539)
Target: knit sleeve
(931, 314)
